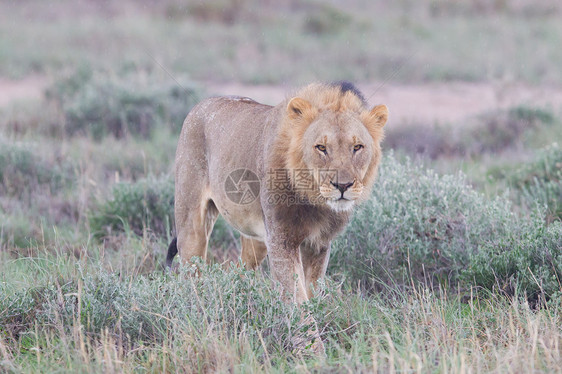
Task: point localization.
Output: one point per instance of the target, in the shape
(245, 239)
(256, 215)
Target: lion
(287, 177)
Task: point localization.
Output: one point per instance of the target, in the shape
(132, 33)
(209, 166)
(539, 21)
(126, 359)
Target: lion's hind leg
(195, 229)
(253, 252)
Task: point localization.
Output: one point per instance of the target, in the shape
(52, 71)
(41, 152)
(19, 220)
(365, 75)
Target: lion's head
(330, 131)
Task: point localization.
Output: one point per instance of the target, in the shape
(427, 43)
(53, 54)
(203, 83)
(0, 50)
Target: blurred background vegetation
(461, 241)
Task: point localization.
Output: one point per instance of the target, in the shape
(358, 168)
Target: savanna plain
(454, 265)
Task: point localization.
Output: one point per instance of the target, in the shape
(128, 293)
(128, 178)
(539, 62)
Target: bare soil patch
(441, 103)
(31, 87)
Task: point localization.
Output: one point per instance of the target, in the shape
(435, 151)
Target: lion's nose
(342, 186)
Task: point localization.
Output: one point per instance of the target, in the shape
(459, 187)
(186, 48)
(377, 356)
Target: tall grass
(234, 320)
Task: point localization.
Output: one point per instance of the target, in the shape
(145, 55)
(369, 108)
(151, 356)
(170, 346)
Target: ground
(441, 103)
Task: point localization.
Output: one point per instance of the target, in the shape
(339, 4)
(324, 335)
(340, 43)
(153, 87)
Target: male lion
(286, 177)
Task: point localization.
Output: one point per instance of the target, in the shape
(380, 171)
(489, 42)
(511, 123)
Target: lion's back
(222, 134)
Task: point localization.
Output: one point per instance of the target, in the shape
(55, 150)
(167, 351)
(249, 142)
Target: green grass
(277, 43)
(93, 320)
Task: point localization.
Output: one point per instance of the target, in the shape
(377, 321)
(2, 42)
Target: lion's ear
(300, 108)
(377, 117)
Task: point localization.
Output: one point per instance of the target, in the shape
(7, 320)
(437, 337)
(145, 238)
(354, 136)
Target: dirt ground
(12, 91)
(441, 103)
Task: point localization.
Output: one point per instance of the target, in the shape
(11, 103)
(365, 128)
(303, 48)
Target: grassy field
(454, 265)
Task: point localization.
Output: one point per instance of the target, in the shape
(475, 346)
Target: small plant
(325, 19)
(227, 12)
(504, 129)
(222, 305)
(420, 227)
(145, 205)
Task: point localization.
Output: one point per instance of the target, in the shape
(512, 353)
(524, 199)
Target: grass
(254, 42)
(93, 320)
(439, 272)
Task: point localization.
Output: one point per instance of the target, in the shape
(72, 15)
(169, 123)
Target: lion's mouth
(341, 205)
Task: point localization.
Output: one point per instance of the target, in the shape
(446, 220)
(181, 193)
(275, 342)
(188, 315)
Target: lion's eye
(357, 147)
(321, 148)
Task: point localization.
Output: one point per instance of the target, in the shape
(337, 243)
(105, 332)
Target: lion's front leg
(315, 261)
(286, 268)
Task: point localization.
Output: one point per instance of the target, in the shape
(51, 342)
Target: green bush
(540, 181)
(323, 19)
(148, 205)
(19, 231)
(133, 104)
(530, 264)
(22, 171)
(144, 205)
(501, 130)
(17, 310)
(223, 11)
(418, 226)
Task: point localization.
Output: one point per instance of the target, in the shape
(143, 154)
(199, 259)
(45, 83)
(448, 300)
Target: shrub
(530, 264)
(413, 139)
(144, 205)
(148, 205)
(17, 310)
(423, 228)
(228, 12)
(19, 231)
(134, 104)
(418, 226)
(540, 181)
(325, 19)
(503, 129)
(22, 171)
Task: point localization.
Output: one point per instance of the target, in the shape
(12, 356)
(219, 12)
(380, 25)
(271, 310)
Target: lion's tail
(172, 252)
